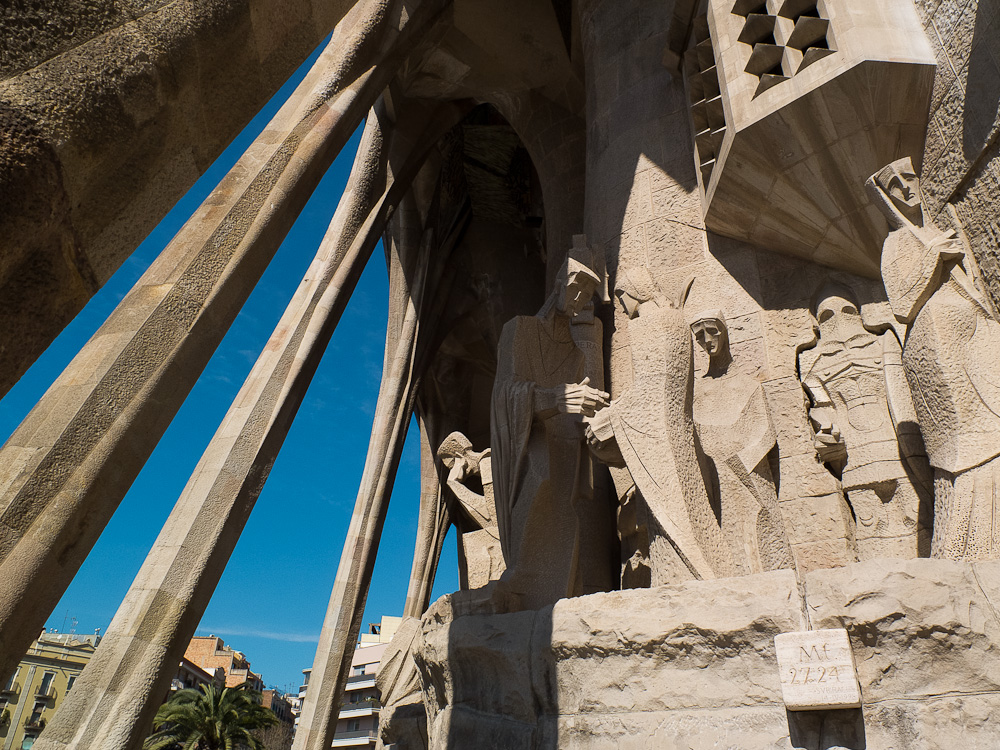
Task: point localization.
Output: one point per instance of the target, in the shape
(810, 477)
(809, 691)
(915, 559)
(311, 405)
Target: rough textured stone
(659, 668)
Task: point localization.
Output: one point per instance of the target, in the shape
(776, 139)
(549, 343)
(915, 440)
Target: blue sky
(272, 597)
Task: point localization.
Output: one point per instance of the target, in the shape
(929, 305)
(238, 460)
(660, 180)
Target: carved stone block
(817, 670)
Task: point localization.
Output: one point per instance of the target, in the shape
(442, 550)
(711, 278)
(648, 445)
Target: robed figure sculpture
(951, 357)
(542, 470)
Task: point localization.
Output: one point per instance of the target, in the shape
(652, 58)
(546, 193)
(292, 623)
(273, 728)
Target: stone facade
(695, 297)
(659, 668)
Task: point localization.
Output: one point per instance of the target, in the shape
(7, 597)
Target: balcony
(354, 678)
(367, 703)
(34, 725)
(9, 692)
(362, 738)
(45, 694)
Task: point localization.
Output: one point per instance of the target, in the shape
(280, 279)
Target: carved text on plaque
(817, 670)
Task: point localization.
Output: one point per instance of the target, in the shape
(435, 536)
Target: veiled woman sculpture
(950, 357)
(736, 435)
(652, 428)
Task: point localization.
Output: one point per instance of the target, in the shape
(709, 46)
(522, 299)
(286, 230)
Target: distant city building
(190, 675)
(211, 652)
(357, 725)
(280, 704)
(46, 673)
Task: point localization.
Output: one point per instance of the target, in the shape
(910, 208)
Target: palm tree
(210, 719)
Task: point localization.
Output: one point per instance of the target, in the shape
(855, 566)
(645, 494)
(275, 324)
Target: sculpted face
(576, 294)
(712, 336)
(902, 185)
(839, 318)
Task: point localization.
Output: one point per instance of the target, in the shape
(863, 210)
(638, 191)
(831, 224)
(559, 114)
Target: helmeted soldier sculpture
(950, 364)
(865, 428)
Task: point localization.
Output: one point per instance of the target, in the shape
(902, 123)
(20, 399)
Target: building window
(69, 685)
(47, 678)
(358, 670)
(10, 682)
(354, 725)
(28, 741)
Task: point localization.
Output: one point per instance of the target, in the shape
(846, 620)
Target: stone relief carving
(543, 473)
(481, 559)
(736, 436)
(649, 430)
(865, 428)
(950, 361)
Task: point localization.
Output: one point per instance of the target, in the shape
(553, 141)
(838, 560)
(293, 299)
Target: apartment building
(357, 726)
(46, 673)
(210, 652)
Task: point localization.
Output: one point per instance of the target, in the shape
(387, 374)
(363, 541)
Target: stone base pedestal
(692, 666)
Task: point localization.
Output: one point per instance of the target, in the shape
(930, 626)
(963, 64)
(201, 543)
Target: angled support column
(406, 355)
(113, 702)
(66, 468)
(433, 523)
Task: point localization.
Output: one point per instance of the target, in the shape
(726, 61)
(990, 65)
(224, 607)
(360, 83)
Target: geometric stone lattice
(816, 95)
(706, 102)
(782, 44)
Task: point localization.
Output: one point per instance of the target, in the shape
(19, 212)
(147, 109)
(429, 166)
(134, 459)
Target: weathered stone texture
(658, 668)
(961, 158)
(109, 111)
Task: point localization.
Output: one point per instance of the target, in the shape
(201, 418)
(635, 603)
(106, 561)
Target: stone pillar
(114, 700)
(66, 468)
(433, 523)
(110, 112)
(417, 281)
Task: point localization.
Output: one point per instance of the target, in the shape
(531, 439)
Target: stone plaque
(817, 670)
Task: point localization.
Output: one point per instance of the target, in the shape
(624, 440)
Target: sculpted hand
(830, 446)
(948, 247)
(580, 398)
(458, 471)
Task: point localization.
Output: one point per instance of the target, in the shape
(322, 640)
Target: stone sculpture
(650, 429)
(481, 559)
(866, 428)
(542, 472)
(736, 436)
(950, 361)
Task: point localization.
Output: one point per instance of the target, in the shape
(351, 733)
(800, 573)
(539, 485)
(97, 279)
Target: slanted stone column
(415, 296)
(117, 695)
(66, 468)
(433, 523)
(115, 698)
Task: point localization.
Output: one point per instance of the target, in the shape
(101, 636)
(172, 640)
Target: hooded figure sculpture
(950, 361)
(542, 471)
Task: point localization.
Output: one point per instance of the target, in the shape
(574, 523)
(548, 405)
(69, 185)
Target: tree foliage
(211, 719)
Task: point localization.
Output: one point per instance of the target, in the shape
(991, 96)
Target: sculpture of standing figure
(736, 435)
(480, 560)
(542, 470)
(865, 428)
(950, 360)
(649, 429)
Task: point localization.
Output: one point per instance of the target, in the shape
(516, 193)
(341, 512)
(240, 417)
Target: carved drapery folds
(949, 358)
